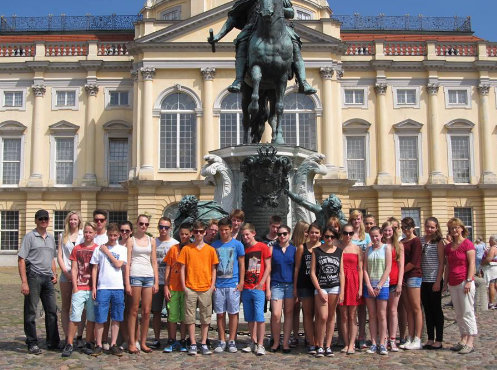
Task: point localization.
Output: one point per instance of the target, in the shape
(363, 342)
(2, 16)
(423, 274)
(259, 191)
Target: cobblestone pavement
(13, 353)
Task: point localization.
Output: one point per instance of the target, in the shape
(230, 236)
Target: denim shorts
(392, 288)
(112, 297)
(383, 295)
(226, 300)
(142, 281)
(253, 305)
(334, 290)
(79, 301)
(281, 290)
(414, 282)
(303, 293)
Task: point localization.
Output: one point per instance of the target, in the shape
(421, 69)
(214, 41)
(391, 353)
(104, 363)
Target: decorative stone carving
(303, 184)
(208, 73)
(326, 72)
(91, 89)
(134, 75)
(433, 88)
(39, 90)
(484, 88)
(339, 73)
(147, 73)
(380, 88)
(217, 173)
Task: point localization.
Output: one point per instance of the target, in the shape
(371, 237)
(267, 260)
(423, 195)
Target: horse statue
(270, 57)
(217, 173)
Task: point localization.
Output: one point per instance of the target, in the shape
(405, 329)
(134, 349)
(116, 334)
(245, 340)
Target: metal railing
(69, 23)
(380, 22)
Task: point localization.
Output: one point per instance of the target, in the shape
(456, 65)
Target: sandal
(351, 352)
(133, 351)
(147, 350)
(344, 350)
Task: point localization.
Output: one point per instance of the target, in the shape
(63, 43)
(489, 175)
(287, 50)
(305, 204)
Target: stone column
(384, 157)
(90, 178)
(136, 126)
(147, 128)
(337, 125)
(488, 175)
(209, 141)
(37, 148)
(327, 140)
(436, 175)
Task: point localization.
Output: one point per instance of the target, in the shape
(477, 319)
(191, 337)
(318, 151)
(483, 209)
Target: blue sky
(482, 12)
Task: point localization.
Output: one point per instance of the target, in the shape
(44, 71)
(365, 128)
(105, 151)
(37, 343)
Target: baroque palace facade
(117, 113)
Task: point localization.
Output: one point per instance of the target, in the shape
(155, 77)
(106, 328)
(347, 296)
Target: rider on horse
(243, 16)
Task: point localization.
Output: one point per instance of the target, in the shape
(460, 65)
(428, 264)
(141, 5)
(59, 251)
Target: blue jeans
(41, 287)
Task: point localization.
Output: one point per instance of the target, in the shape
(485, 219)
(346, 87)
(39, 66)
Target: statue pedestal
(305, 164)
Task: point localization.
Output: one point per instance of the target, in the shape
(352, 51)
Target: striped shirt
(376, 265)
(429, 261)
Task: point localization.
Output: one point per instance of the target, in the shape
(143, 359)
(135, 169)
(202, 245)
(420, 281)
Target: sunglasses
(42, 219)
(99, 220)
(124, 231)
(348, 233)
(329, 236)
(198, 231)
(143, 224)
(406, 227)
(162, 227)
(282, 234)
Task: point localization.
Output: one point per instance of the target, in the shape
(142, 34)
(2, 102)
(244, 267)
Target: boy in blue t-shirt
(229, 283)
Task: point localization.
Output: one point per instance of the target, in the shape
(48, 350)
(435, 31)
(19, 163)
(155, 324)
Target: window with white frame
(59, 216)
(230, 121)
(11, 160)
(172, 14)
(118, 160)
(356, 158)
(64, 160)
(406, 97)
(457, 97)
(415, 214)
(465, 214)
(299, 121)
(118, 216)
(178, 132)
(408, 159)
(354, 97)
(65, 99)
(303, 15)
(118, 98)
(9, 230)
(461, 158)
(13, 99)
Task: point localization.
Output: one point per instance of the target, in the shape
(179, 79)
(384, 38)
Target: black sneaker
(34, 350)
(67, 352)
(88, 349)
(116, 351)
(97, 351)
(56, 347)
(155, 344)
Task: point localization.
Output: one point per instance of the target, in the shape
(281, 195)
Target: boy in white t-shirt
(108, 261)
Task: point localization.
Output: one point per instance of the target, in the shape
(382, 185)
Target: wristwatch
(469, 280)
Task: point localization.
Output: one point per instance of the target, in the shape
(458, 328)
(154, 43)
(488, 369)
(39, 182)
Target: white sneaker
(220, 347)
(252, 347)
(414, 344)
(105, 346)
(403, 346)
(232, 347)
(261, 351)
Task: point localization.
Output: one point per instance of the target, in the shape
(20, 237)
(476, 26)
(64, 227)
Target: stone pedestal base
(146, 173)
(489, 178)
(384, 178)
(35, 181)
(90, 179)
(437, 178)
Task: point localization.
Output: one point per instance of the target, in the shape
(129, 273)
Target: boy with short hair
(272, 236)
(108, 261)
(174, 293)
(237, 217)
(198, 277)
(257, 270)
(229, 284)
(81, 290)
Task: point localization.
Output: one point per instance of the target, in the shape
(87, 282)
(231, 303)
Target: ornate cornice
(326, 72)
(380, 88)
(39, 90)
(91, 89)
(484, 88)
(433, 88)
(147, 73)
(208, 73)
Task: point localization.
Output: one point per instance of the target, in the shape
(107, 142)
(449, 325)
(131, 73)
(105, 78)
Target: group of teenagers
(331, 274)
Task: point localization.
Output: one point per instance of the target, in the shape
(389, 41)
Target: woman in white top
(142, 280)
(72, 236)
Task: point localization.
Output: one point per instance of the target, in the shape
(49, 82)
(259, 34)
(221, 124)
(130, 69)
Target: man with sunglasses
(36, 260)
(164, 242)
(100, 218)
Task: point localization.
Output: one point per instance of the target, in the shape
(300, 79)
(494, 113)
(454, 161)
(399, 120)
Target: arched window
(299, 121)
(230, 124)
(178, 129)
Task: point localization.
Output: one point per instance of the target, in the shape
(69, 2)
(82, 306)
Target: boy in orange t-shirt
(173, 292)
(198, 278)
